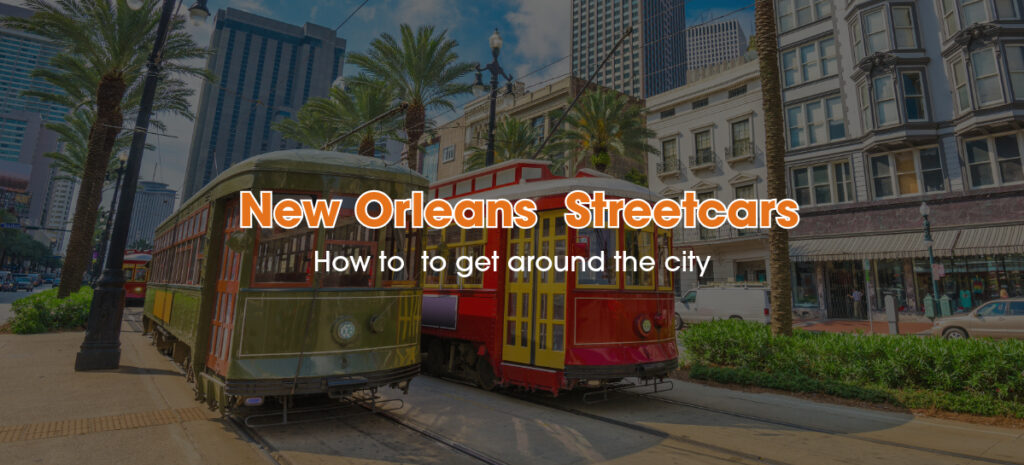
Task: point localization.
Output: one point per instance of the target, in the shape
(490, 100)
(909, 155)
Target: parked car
(720, 303)
(998, 319)
(36, 278)
(24, 282)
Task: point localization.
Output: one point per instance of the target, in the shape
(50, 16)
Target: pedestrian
(858, 303)
(1004, 293)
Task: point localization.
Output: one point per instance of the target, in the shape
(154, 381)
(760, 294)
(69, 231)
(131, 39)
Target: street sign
(10, 226)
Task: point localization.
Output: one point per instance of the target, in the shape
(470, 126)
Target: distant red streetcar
(136, 274)
(554, 330)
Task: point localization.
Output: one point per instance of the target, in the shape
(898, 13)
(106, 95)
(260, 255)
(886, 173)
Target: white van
(719, 303)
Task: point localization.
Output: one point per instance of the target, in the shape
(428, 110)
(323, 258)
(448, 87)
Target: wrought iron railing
(670, 165)
(740, 149)
(704, 157)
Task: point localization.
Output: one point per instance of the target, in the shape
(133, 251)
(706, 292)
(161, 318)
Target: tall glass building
(20, 54)
(664, 45)
(266, 71)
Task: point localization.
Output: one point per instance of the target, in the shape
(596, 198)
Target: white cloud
(252, 6)
(444, 14)
(543, 36)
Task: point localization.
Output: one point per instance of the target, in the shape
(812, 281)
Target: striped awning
(870, 247)
(990, 240)
(987, 240)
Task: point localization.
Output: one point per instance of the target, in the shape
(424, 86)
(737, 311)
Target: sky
(535, 32)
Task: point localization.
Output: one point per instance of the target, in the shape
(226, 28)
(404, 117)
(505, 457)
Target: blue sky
(535, 32)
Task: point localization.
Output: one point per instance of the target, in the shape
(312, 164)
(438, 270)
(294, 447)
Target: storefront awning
(870, 247)
(1006, 239)
(991, 240)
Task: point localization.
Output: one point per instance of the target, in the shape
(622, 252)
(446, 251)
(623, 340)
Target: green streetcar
(245, 314)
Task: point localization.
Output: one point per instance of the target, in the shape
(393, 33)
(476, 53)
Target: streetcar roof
(317, 161)
(612, 187)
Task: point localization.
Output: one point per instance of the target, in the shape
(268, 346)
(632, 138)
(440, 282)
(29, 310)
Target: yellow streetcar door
(535, 302)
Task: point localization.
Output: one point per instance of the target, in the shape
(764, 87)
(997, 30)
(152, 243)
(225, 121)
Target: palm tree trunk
(415, 122)
(102, 137)
(775, 151)
(368, 146)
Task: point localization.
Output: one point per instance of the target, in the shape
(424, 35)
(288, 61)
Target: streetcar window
(433, 247)
(639, 243)
(351, 239)
(284, 255)
(403, 243)
(596, 242)
(128, 273)
(664, 250)
(140, 274)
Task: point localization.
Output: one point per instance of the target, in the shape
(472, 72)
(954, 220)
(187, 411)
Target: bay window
(865, 106)
(885, 101)
(913, 96)
(1007, 9)
(1015, 66)
(903, 27)
(875, 32)
(823, 184)
(950, 21)
(986, 76)
(995, 160)
(973, 12)
(907, 173)
(795, 13)
(963, 93)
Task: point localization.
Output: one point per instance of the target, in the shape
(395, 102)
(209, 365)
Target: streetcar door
(535, 302)
(223, 321)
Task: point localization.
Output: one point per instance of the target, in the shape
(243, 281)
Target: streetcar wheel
(435, 357)
(485, 374)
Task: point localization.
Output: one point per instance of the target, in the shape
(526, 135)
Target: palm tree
(105, 46)
(513, 138)
(322, 120)
(423, 69)
(775, 151)
(74, 134)
(604, 125)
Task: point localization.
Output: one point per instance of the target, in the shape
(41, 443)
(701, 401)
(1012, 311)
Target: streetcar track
(827, 431)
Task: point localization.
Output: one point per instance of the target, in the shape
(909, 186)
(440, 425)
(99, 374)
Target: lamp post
(123, 159)
(479, 88)
(925, 211)
(101, 349)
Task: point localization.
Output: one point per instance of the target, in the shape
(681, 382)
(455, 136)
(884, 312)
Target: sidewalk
(142, 413)
(853, 326)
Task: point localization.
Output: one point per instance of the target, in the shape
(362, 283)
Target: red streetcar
(136, 273)
(553, 330)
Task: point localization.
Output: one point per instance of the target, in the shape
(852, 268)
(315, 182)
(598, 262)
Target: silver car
(998, 319)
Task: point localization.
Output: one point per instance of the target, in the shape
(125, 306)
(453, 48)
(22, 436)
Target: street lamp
(479, 88)
(123, 159)
(101, 349)
(925, 211)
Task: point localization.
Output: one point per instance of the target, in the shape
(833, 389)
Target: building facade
(889, 104)
(596, 26)
(266, 71)
(664, 54)
(714, 43)
(710, 135)
(154, 202)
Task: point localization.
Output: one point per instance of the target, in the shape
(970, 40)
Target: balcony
(740, 151)
(705, 159)
(668, 167)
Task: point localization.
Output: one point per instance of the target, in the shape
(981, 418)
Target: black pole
(106, 228)
(101, 349)
(489, 159)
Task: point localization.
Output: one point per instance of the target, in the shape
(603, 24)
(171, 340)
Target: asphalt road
(7, 297)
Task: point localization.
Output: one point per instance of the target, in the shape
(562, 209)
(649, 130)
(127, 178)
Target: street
(9, 297)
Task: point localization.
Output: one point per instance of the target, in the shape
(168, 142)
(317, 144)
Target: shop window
(805, 286)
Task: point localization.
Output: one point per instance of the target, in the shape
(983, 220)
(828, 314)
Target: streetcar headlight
(344, 331)
(643, 325)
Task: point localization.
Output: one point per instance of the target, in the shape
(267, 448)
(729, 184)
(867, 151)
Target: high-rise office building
(20, 54)
(714, 43)
(596, 26)
(664, 39)
(266, 70)
(154, 202)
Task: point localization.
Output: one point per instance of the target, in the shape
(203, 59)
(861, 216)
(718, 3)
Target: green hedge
(44, 312)
(972, 375)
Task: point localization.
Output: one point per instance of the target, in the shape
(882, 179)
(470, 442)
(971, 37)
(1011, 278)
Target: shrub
(43, 312)
(965, 373)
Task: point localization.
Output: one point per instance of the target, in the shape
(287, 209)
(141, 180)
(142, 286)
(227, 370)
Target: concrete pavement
(142, 413)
